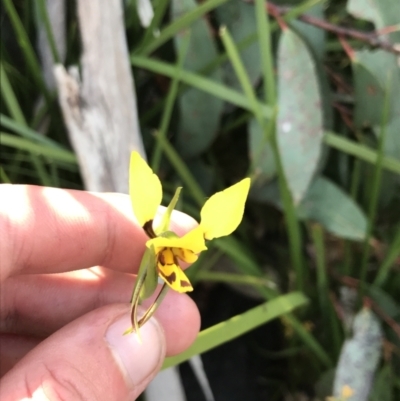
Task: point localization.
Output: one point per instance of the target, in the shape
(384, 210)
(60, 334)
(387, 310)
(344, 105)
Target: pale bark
(100, 108)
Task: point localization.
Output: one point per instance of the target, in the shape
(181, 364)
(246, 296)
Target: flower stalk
(220, 216)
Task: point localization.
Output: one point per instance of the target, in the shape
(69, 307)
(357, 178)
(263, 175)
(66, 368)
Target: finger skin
(39, 305)
(50, 230)
(79, 363)
(13, 348)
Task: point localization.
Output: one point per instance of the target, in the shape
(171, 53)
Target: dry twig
(372, 38)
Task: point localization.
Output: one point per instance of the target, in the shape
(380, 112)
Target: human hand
(61, 321)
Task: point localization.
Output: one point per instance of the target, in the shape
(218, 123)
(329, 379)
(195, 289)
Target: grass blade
(10, 98)
(238, 325)
(264, 40)
(27, 49)
(392, 254)
(182, 170)
(374, 194)
(160, 8)
(241, 74)
(26, 132)
(38, 149)
(176, 26)
(4, 177)
(199, 82)
(166, 117)
(360, 151)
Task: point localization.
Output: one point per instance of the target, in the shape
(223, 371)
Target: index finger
(50, 230)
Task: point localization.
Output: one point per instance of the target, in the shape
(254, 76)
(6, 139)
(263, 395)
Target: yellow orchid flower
(220, 216)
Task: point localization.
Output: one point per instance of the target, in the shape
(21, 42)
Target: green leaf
(239, 18)
(382, 389)
(300, 120)
(315, 37)
(237, 251)
(200, 112)
(392, 254)
(359, 357)
(327, 204)
(369, 97)
(392, 142)
(266, 192)
(375, 73)
(385, 302)
(238, 325)
(324, 203)
(382, 13)
(203, 173)
(261, 152)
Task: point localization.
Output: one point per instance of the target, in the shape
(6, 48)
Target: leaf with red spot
(300, 117)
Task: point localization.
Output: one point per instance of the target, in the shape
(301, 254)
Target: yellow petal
(223, 212)
(144, 188)
(185, 254)
(171, 273)
(192, 241)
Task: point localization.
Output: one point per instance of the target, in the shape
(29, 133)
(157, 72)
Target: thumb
(89, 359)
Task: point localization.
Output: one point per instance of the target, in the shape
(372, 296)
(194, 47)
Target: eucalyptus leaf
(369, 96)
(329, 205)
(390, 184)
(261, 153)
(266, 192)
(376, 75)
(392, 142)
(316, 41)
(200, 112)
(385, 302)
(381, 13)
(300, 117)
(315, 37)
(239, 18)
(203, 173)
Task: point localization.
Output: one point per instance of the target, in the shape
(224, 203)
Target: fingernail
(137, 358)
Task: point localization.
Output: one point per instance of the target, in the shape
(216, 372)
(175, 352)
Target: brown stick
(372, 38)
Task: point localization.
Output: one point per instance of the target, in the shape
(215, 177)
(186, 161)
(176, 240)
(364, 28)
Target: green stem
(166, 117)
(264, 40)
(374, 195)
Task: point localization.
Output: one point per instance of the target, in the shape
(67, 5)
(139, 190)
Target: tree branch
(372, 38)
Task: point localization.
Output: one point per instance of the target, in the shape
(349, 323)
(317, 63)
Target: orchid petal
(171, 272)
(193, 241)
(223, 212)
(144, 188)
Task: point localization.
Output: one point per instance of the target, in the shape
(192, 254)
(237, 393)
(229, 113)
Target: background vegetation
(307, 103)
